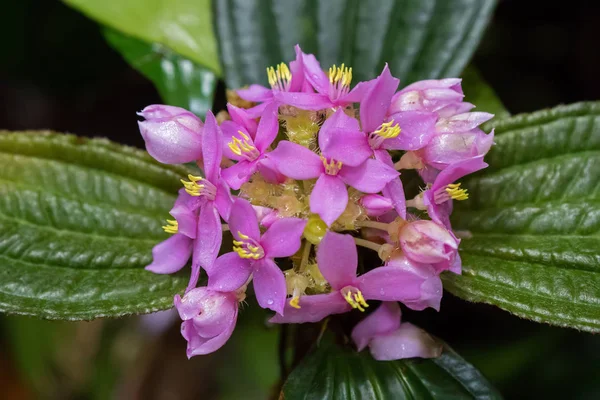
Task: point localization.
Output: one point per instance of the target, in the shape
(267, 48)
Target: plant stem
(368, 244)
(372, 224)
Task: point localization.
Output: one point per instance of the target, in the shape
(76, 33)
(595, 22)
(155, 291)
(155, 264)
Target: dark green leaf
(180, 81)
(335, 373)
(478, 92)
(185, 26)
(534, 216)
(78, 220)
(419, 39)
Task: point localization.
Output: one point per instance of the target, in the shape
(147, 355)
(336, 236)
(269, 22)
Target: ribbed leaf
(78, 220)
(535, 219)
(180, 81)
(419, 39)
(185, 26)
(335, 373)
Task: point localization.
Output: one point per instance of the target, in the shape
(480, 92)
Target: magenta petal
(329, 198)
(269, 285)
(417, 128)
(212, 148)
(198, 345)
(340, 139)
(463, 122)
(369, 177)
(313, 308)
(394, 189)
(208, 238)
(241, 117)
(431, 289)
(184, 211)
(385, 319)
(390, 284)
(337, 259)
(268, 127)
(171, 255)
(315, 74)
(230, 130)
(243, 219)
(457, 170)
(304, 101)
(223, 200)
(406, 342)
(170, 142)
(376, 102)
(239, 173)
(255, 93)
(269, 171)
(295, 161)
(448, 148)
(376, 205)
(357, 94)
(229, 273)
(283, 238)
(256, 111)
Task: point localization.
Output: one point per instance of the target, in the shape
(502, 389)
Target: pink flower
(209, 317)
(344, 160)
(430, 243)
(388, 339)
(173, 135)
(428, 95)
(337, 259)
(253, 255)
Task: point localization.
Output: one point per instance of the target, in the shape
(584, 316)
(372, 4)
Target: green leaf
(180, 81)
(534, 216)
(78, 220)
(335, 373)
(185, 26)
(478, 92)
(419, 39)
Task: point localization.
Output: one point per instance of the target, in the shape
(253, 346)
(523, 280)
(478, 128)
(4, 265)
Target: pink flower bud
(173, 135)
(429, 95)
(376, 205)
(427, 242)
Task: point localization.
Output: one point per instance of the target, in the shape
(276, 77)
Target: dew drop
(270, 302)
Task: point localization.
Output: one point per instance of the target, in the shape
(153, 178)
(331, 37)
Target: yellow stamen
(331, 167)
(239, 147)
(340, 74)
(456, 193)
(171, 227)
(356, 300)
(245, 249)
(388, 130)
(279, 76)
(295, 302)
(192, 187)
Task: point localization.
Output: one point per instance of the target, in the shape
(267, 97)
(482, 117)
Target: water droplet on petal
(270, 302)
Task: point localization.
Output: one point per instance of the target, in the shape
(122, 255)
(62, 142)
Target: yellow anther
(295, 302)
(280, 76)
(193, 188)
(341, 74)
(171, 227)
(244, 237)
(245, 249)
(388, 130)
(356, 300)
(240, 147)
(332, 167)
(456, 193)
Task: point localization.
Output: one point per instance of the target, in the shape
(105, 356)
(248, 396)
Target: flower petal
(390, 284)
(369, 177)
(376, 102)
(171, 255)
(417, 128)
(212, 148)
(184, 212)
(230, 130)
(449, 148)
(255, 93)
(341, 139)
(457, 170)
(304, 101)
(431, 289)
(239, 173)
(337, 259)
(223, 200)
(463, 122)
(385, 319)
(394, 189)
(329, 198)
(268, 127)
(295, 161)
(208, 239)
(408, 341)
(297, 70)
(240, 116)
(200, 346)
(229, 273)
(283, 238)
(315, 74)
(313, 308)
(242, 218)
(170, 142)
(269, 285)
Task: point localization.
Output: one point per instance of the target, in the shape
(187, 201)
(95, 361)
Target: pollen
(279, 77)
(456, 193)
(340, 75)
(171, 227)
(243, 147)
(356, 300)
(295, 302)
(332, 167)
(193, 188)
(247, 247)
(388, 130)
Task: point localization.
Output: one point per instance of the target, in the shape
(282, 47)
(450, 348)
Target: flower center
(193, 188)
(332, 167)
(387, 130)
(279, 77)
(247, 247)
(452, 191)
(171, 227)
(244, 147)
(354, 297)
(340, 79)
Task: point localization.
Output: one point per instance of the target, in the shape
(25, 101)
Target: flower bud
(173, 135)
(429, 95)
(209, 318)
(427, 242)
(375, 204)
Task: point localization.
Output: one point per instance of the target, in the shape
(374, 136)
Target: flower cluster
(301, 175)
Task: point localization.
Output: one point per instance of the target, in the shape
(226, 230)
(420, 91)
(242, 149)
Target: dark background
(57, 72)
